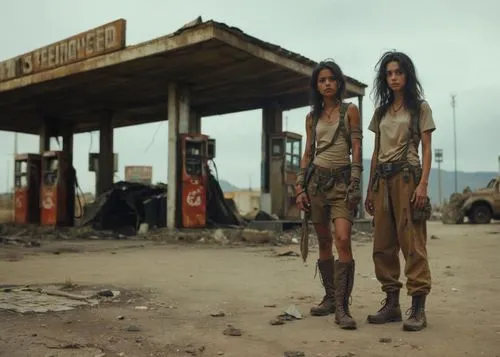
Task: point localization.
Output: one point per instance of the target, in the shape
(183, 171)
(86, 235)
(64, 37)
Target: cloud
(453, 45)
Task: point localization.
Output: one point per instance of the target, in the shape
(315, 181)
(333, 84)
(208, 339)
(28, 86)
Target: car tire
(481, 213)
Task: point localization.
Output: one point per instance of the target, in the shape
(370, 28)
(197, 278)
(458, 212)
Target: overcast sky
(454, 45)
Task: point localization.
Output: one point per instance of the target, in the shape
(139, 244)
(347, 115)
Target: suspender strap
(340, 128)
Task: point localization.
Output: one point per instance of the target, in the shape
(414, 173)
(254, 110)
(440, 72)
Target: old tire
(481, 214)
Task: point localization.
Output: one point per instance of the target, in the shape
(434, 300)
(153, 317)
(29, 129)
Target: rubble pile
(52, 298)
(32, 235)
(452, 212)
(221, 236)
(127, 206)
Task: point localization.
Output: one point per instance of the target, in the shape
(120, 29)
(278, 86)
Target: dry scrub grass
(6, 215)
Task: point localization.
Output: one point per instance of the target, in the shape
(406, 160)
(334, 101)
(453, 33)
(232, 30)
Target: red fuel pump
(27, 177)
(193, 180)
(285, 153)
(57, 199)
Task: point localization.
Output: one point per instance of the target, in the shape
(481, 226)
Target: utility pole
(438, 156)
(453, 103)
(499, 164)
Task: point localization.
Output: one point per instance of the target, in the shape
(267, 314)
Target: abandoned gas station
(94, 81)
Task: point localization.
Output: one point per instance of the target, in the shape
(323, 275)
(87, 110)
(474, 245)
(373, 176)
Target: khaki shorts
(327, 204)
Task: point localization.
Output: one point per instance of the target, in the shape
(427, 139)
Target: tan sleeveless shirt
(336, 155)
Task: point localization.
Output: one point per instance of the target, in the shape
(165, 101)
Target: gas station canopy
(76, 79)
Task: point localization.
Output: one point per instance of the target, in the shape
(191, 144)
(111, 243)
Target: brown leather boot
(417, 320)
(344, 283)
(390, 312)
(327, 305)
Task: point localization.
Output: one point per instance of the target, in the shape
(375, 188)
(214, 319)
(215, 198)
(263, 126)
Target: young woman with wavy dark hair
(397, 193)
(328, 186)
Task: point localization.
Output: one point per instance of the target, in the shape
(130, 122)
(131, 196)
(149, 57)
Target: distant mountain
(474, 180)
(227, 186)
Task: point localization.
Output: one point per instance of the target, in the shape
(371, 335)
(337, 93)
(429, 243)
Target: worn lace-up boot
(344, 283)
(327, 305)
(390, 311)
(417, 320)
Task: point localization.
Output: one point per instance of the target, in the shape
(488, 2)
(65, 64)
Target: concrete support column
(272, 122)
(184, 109)
(178, 122)
(106, 157)
(194, 122)
(361, 209)
(67, 139)
(173, 135)
(44, 135)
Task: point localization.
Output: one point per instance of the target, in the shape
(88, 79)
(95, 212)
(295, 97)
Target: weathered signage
(98, 41)
(139, 174)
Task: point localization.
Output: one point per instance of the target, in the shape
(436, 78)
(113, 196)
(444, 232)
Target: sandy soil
(6, 215)
(182, 285)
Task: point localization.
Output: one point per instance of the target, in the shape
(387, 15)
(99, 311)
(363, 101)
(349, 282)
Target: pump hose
(78, 197)
(215, 167)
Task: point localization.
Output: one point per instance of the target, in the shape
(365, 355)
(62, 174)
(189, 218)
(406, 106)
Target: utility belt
(324, 179)
(387, 170)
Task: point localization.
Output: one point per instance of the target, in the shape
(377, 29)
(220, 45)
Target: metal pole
(453, 103)
(438, 155)
(439, 183)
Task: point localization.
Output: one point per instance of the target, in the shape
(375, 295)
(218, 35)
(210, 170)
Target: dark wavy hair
(316, 97)
(383, 95)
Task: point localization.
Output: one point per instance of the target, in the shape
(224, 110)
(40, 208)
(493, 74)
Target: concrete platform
(279, 226)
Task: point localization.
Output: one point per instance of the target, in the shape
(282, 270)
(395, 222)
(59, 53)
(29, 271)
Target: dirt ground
(6, 215)
(183, 285)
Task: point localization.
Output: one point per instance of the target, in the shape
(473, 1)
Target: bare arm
(426, 156)
(369, 207)
(306, 156)
(356, 137)
(373, 164)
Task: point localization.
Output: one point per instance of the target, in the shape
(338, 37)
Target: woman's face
(326, 83)
(396, 79)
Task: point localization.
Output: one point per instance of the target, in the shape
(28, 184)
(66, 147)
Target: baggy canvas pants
(394, 230)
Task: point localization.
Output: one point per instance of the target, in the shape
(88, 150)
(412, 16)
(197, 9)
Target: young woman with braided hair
(397, 193)
(328, 186)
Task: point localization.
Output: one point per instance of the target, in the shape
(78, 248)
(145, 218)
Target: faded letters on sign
(139, 174)
(95, 42)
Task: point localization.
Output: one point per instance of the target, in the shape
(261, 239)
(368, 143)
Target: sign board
(139, 174)
(98, 41)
